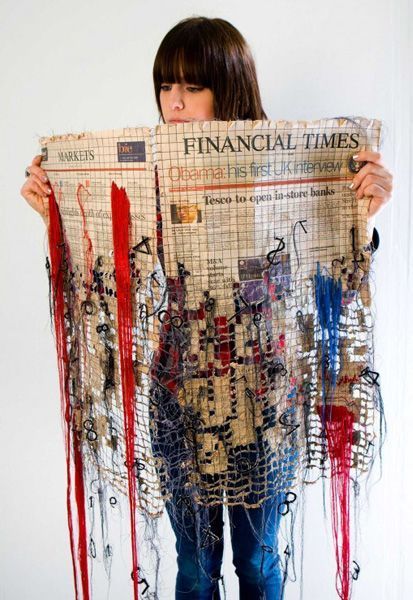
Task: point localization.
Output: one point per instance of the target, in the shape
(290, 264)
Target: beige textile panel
(242, 237)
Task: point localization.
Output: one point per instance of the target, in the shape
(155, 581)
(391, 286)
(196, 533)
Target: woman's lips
(178, 121)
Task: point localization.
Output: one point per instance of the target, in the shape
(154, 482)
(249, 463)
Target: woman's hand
(36, 189)
(373, 180)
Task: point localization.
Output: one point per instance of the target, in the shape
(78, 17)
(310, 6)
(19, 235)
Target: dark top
(375, 240)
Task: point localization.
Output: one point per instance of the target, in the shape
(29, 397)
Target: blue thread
(328, 295)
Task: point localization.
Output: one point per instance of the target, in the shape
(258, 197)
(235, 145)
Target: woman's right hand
(36, 189)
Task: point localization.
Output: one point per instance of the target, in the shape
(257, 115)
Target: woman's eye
(193, 88)
(165, 87)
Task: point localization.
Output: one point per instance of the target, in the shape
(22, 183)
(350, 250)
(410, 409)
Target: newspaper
(230, 222)
(237, 198)
(247, 337)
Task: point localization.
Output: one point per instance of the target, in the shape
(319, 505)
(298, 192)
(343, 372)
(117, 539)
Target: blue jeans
(199, 529)
(200, 545)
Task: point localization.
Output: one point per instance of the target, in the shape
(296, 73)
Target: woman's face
(182, 102)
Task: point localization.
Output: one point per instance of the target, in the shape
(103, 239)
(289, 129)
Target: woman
(204, 70)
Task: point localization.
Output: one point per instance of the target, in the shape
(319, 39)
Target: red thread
(59, 257)
(339, 431)
(120, 228)
(87, 242)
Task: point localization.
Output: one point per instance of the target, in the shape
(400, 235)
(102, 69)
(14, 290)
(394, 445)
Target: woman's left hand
(373, 180)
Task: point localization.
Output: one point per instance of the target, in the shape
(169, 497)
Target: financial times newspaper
(244, 326)
(230, 222)
(236, 198)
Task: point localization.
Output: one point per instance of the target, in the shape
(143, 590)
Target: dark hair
(214, 54)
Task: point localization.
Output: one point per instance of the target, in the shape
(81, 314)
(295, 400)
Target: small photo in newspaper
(185, 213)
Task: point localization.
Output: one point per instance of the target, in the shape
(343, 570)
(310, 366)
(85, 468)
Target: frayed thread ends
(328, 296)
(339, 433)
(59, 259)
(120, 229)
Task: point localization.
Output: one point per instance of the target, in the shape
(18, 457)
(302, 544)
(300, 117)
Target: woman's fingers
(34, 196)
(370, 169)
(40, 184)
(36, 187)
(35, 169)
(38, 172)
(370, 181)
(369, 156)
(373, 180)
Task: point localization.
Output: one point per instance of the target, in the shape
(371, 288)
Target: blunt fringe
(214, 54)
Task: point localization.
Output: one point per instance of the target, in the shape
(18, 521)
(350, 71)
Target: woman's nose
(176, 99)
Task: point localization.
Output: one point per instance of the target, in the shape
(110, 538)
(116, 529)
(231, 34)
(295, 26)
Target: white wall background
(75, 65)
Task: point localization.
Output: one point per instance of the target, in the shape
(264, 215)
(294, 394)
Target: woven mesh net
(210, 291)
